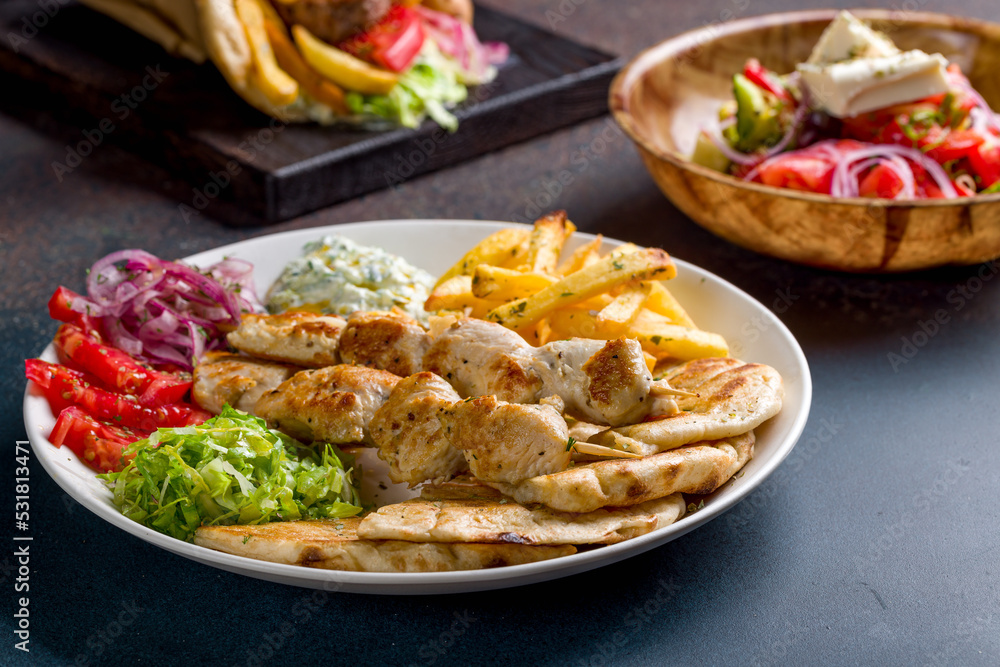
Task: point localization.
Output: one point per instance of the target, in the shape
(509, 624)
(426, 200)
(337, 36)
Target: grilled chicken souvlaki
(490, 403)
(602, 382)
(519, 392)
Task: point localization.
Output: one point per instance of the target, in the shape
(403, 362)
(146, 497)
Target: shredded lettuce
(430, 87)
(231, 469)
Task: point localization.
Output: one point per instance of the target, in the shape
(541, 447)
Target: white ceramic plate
(754, 333)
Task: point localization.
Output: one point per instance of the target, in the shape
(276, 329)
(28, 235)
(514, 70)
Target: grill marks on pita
(733, 397)
(335, 545)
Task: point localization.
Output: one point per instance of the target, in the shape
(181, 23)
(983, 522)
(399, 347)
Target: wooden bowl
(666, 94)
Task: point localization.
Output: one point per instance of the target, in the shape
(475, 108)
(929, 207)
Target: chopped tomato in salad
(393, 42)
(782, 131)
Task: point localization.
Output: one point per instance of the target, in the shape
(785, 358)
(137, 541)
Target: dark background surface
(876, 541)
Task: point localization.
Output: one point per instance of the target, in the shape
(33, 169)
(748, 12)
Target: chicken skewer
(420, 424)
(426, 432)
(605, 382)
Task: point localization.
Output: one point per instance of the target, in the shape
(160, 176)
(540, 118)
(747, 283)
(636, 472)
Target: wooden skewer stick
(601, 450)
(661, 388)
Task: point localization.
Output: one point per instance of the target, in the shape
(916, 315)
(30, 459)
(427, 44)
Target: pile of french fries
(515, 277)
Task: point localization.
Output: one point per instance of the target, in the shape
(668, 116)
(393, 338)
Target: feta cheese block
(861, 85)
(847, 38)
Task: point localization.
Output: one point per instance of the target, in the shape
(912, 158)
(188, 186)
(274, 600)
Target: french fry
(546, 241)
(614, 317)
(538, 335)
(661, 301)
(494, 282)
(661, 338)
(609, 272)
(273, 82)
(650, 361)
(319, 88)
(438, 324)
(582, 257)
(341, 67)
(270, 16)
(456, 294)
(654, 332)
(494, 249)
(575, 323)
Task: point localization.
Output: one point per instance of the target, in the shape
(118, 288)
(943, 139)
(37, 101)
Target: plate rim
(421, 583)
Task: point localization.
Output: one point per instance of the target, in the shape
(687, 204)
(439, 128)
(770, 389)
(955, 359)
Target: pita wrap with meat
(258, 47)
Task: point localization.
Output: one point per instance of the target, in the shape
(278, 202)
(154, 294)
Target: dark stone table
(876, 542)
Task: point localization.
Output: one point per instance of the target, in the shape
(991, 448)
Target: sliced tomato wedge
(881, 182)
(947, 145)
(926, 187)
(79, 389)
(893, 133)
(60, 309)
(99, 445)
(799, 172)
(118, 370)
(37, 371)
(985, 163)
(392, 43)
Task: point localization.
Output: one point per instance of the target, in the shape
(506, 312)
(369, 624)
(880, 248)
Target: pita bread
(229, 48)
(698, 468)
(506, 522)
(733, 398)
(171, 24)
(334, 545)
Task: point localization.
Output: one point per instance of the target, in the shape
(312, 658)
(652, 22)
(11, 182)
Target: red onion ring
(167, 312)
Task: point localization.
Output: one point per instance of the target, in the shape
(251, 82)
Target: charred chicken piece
(409, 436)
(605, 382)
(481, 358)
(299, 338)
(389, 341)
(221, 377)
(507, 442)
(333, 404)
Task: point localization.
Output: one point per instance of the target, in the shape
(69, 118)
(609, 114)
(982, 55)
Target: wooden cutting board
(91, 73)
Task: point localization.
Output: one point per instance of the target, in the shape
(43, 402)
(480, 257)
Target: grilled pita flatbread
(733, 398)
(698, 468)
(506, 522)
(229, 48)
(334, 545)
